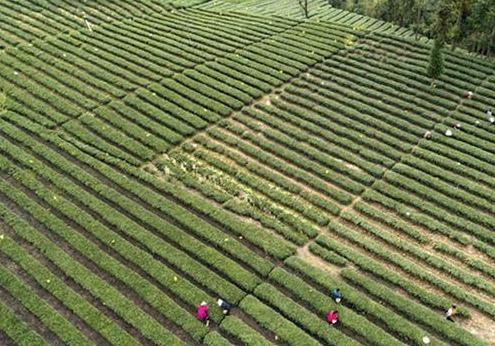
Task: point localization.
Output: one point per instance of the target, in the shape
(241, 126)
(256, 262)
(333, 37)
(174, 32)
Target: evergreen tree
(435, 66)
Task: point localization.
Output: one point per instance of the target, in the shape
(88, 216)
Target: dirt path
(481, 326)
(304, 253)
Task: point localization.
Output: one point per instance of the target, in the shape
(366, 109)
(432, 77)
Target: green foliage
(327, 255)
(18, 330)
(53, 320)
(382, 272)
(234, 327)
(270, 319)
(278, 164)
(409, 267)
(95, 318)
(108, 264)
(273, 245)
(445, 20)
(3, 100)
(481, 24)
(471, 262)
(485, 248)
(353, 307)
(431, 260)
(390, 221)
(436, 65)
(226, 183)
(215, 339)
(89, 111)
(411, 311)
(457, 22)
(318, 215)
(313, 324)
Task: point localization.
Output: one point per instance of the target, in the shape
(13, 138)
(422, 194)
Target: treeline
(462, 23)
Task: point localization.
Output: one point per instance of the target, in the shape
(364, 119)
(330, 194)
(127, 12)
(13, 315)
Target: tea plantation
(156, 154)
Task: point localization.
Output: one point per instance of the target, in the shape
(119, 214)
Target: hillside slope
(154, 156)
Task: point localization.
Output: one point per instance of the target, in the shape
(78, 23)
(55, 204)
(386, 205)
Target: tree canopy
(470, 24)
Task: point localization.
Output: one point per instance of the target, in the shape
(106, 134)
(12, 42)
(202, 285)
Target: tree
(337, 3)
(399, 12)
(482, 27)
(451, 22)
(461, 28)
(304, 6)
(418, 8)
(445, 20)
(435, 66)
(466, 23)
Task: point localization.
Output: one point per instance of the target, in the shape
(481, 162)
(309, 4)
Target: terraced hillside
(156, 154)
(318, 10)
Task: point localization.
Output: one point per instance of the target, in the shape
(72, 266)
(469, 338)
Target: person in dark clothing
(336, 295)
(224, 306)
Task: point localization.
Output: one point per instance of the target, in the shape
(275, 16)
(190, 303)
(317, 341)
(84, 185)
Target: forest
(460, 23)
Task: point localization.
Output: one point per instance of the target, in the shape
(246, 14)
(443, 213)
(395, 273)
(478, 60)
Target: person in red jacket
(202, 313)
(333, 316)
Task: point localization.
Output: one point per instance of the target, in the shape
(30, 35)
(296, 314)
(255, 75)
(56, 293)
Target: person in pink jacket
(332, 316)
(202, 313)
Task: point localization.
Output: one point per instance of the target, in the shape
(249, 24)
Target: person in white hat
(224, 306)
(202, 313)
